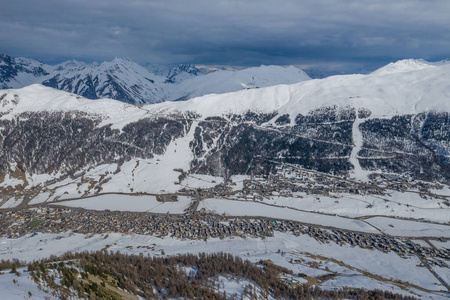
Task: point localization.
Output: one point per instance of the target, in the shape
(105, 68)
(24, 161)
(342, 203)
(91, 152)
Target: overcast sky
(360, 34)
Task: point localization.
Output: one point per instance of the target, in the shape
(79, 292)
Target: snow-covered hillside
(225, 81)
(354, 126)
(384, 94)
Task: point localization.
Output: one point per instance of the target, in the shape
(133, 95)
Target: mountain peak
(407, 65)
(118, 60)
(124, 80)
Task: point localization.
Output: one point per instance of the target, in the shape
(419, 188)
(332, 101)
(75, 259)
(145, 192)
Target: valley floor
(391, 233)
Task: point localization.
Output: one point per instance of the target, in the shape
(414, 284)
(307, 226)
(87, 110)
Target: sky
(343, 34)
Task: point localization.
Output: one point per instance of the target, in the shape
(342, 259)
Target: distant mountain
(120, 79)
(129, 82)
(177, 73)
(20, 72)
(225, 81)
(351, 126)
(407, 65)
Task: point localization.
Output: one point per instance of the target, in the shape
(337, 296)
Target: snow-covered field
(398, 227)
(296, 253)
(12, 202)
(405, 205)
(249, 208)
(284, 210)
(136, 203)
(441, 244)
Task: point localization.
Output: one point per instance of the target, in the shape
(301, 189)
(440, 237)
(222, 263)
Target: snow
(201, 181)
(156, 175)
(442, 272)
(397, 204)
(383, 94)
(144, 203)
(249, 208)
(358, 173)
(421, 243)
(414, 199)
(398, 227)
(359, 281)
(35, 98)
(441, 244)
(225, 81)
(233, 286)
(11, 181)
(238, 181)
(146, 86)
(43, 197)
(445, 191)
(19, 287)
(388, 265)
(12, 202)
(417, 87)
(408, 65)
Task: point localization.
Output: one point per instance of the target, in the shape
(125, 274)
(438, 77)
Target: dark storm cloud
(227, 32)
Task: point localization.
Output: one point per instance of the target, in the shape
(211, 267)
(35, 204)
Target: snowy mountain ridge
(124, 80)
(406, 65)
(384, 94)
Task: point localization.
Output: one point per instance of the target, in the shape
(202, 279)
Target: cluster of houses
(403, 183)
(199, 225)
(290, 180)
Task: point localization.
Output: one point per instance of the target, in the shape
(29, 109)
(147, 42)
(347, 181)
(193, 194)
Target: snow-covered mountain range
(359, 165)
(124, 80)
(352, 126)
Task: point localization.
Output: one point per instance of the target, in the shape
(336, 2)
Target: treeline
(104, 275)
(9, 264)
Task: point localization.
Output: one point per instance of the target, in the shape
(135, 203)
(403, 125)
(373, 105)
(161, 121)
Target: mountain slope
(129, 82)
(20, 72)
(120, 79)
(407, 65)
(354, 126)
(225, 81)
(383, 94)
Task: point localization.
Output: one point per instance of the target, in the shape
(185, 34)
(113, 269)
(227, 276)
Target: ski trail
(358, 173)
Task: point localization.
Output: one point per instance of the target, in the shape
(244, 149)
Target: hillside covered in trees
(104, 275)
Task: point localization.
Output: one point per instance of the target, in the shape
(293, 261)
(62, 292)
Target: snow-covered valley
(346, 177)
